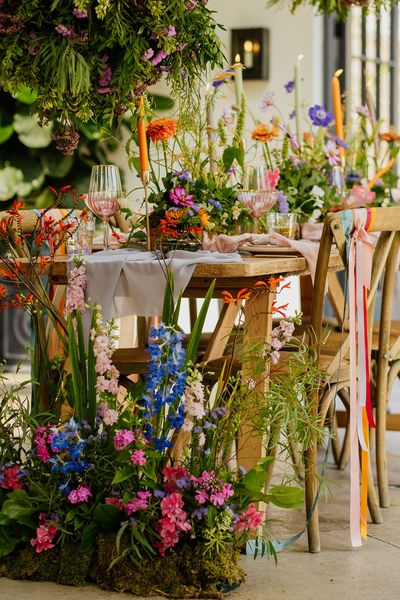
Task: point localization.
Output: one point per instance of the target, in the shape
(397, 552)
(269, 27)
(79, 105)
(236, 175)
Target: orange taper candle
(142, 139)
(337, 107)
(381, 172)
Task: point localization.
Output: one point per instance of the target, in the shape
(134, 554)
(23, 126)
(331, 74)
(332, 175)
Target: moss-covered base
(183, 574)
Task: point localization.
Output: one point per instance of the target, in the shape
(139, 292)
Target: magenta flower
(139, 502)
(138, 457)
(44, 535)
(250, 519)
(80, 495)
(63, 30)
(169, 31)
(332, 153)
(79, 14)
(180, 197)
(123, 438)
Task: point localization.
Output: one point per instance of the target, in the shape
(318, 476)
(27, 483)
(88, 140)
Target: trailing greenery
(90, 59)
(340, 7)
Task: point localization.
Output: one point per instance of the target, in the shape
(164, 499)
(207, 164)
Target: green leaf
(286, 496)
(88, 537)
(254, 479)
(55, 164)
(161, 102)
(123, 474)
(29, 131)
(107, 516)
(8, 541)
(19, 507)
(5, 133)
(194, 339)
(230, 154)
(27, 95)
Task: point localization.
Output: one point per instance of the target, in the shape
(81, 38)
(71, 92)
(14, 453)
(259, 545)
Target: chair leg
(345, 452)
(373, 504)
(311, 485)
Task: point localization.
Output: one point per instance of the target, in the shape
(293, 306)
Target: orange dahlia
(160, 130)
(265, 133)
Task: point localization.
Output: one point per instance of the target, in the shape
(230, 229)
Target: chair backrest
(386, 221)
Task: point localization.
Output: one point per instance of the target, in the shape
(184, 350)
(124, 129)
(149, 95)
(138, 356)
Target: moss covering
(186, 573)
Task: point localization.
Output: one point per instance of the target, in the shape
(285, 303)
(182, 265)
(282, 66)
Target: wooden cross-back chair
(387, 222)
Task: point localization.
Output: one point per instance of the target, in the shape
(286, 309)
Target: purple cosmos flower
(157, 58)
(289, 86)
(332, 153)
(180, 197)
(319, 116)
(339, 142)
(148, 54)
(286, 131)
(283, 203)
(267, 101)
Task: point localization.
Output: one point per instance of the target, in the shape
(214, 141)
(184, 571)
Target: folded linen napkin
(132, 281)
(229, 243)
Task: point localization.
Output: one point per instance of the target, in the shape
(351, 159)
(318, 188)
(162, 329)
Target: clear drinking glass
(105, 191)
(256, 193)
(338, 181)
(283, 223)
(80, 241)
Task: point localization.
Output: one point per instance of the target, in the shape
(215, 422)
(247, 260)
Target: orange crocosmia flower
(265, 133)
(279, 309)
(243, 294)
(161, 130)
(3, 227)
(2, 292)
(44, 261)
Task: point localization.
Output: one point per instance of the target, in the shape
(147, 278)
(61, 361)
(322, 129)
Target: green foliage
(68, 67)
(340, 7)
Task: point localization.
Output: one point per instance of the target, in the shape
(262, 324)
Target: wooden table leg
(258, 326)
(220, 337)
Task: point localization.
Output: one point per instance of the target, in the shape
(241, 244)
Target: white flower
(315, 216)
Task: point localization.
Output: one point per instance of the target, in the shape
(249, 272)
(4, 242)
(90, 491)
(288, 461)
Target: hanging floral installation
(89, 59)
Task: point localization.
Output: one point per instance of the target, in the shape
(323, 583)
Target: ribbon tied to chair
(360, 248)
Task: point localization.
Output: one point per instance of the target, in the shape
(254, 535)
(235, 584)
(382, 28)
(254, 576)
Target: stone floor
(338, 571)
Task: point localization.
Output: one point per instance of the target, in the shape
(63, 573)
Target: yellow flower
(204, 218)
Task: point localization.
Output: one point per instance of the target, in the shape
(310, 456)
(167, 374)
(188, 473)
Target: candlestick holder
(145, 177)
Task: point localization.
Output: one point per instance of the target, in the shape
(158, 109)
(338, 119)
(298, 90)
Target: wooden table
(258, 315)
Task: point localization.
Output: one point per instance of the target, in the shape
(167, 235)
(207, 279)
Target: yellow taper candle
(337, 107)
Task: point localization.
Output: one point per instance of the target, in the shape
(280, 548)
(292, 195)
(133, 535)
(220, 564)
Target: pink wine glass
(105, 190)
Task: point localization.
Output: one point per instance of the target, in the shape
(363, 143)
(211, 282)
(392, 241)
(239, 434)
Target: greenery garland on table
(90, 59)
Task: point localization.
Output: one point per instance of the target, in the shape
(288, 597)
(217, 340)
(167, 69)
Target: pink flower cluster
(40, 442)
(45, 535)
(250, 519)
(117, 502)
(172, 475)
(279, 336)
(138, 457)
(108, 415)
(75, 300)
(79, 14)
(10, 478)
(80, 495)
(63, 30)
(103, 347)
(174, 521)
(210, 488)
(139, 502)
(123, 438)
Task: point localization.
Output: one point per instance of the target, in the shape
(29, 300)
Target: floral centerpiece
(89, 59)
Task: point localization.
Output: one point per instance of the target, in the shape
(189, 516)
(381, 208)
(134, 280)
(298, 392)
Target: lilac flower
(292, 114)
(169, 31)
(63, 30)
(159, 493)
(79, 14)
(332, 153)
(319, 116)
(289, 86)
(157, 58)
(180, 197)
(283, 203)
(184, 175)
(215, 203)
(227, 117)
(267, 101)
(286, 131)
(148, 54)
(199, 513)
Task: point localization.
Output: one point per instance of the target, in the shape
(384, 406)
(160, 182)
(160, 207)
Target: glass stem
(106, 234)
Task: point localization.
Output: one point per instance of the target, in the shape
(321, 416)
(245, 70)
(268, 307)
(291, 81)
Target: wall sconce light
(252, 45)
